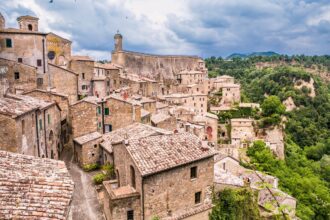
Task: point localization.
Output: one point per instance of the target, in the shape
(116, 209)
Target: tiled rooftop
(159, 117)
(16, 105)
(144, 113)
(157, 153)
(136, 130)
(33, 188)
(189, 212)
(87, 138)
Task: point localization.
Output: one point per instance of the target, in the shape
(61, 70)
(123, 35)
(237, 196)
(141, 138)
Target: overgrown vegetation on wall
(305, 172)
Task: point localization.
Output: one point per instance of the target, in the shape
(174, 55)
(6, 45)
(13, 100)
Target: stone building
(153, 66)
(220, 81)
(64, 81)
(25, 45)
(58, 50)
(151, 172)
(86, 149)
(187, 77)
(63, 102)
(120, 112)
(101, 79)
(231, 94)
(84, 67)
(147, 103)
(28, 191)
(164, 121)
(133, 131)
(86, 116)
(242, 132)
(21, 77)
(197, 101)
(30, 126)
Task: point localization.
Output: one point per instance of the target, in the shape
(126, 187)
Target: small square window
(193, 172)
(130, 215)
(198, 197)
(9, 43)
(20, 60)
(40, 81)
(39, 62)
(16, 75)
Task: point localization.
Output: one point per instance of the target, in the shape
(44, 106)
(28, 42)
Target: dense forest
(305, 172)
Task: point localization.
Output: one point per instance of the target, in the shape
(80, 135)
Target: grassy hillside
(305, 173)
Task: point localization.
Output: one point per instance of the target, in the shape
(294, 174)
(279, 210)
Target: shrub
(99, 178)
(90, 167)
(109, 170)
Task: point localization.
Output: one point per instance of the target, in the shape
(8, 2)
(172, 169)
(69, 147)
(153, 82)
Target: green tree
(272, 105)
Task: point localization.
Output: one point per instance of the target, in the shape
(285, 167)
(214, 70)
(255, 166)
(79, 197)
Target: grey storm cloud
(205, 28)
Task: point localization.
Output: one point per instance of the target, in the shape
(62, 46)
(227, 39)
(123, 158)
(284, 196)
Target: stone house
(86, 116)
(119, 112)
(162, 107)
(145, 116)
(84, 67)
(188, 77)
(164, 121)
(102, 79)
(63, 102)
(133, 131)
(25, 45)
(21, 77)
(151, 172)
(196, 101)
(220, 81)
(242, 132)
(86, 149)
(147, 103)
(58, 50)
(30, 126)
(64, 81)
(34, 188)
(230, 94)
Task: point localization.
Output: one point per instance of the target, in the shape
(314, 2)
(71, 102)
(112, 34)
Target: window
(224, 166)
(39, 63)
(40, 124)
(106, 111)
(23, 127)
(48, 117)
(16, 75)
(40, 81)
(83, 75)
(30, 27)
(95, 145)
(100, 125)
(99, 110)
(84, 87)
(9, 43)
(193, 172)
(108, 83)
(108, 128)
(198, 197)
(20, 60)
(132, 176)
(130, 215)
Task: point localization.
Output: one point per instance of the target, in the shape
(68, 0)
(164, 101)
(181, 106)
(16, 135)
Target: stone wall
(8, 138)
(90, 152)
(174, 190)
(83, 118)
(64, 81)
(121, 113)
(154, 66)
(61, 47)
(28, 46)
(27, 76)
(85, 71)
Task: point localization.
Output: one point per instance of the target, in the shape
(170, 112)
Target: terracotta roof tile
(33, 188)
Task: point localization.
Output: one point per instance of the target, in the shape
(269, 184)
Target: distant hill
(242, 55)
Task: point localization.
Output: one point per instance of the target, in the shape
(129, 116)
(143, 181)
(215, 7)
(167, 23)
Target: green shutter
(9, 43)
(106, 111)
(99, 110)
(40, 124)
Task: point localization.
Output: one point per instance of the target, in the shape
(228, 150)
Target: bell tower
(118, 42)
(28, 23)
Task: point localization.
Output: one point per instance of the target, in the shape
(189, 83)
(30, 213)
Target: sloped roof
(154, 154)
(33, 188)
(87, 138)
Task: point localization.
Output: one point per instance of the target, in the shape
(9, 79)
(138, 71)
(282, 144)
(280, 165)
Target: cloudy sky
(193, 27)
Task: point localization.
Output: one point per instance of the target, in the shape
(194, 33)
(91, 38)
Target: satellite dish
(51, 55)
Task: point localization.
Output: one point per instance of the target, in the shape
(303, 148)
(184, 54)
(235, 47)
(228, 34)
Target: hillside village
(156, 124)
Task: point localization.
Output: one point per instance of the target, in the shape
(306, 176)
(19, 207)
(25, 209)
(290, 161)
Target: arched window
(132, 176)
(30, 27)
(51, 136)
